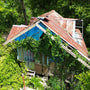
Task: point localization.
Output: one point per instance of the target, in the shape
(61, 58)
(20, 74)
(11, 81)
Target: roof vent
(41, 18)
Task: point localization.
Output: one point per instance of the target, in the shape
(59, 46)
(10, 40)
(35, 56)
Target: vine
(51, 48)
(50, 45)
(47, 46)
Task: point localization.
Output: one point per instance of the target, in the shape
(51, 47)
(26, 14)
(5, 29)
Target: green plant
(66, 64)
(54, 83)
(10, 73)
(84, 78)
(76, 85)
(10, 70)
(34, 82)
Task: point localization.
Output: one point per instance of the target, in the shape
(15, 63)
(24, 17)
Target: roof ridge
(50, 12)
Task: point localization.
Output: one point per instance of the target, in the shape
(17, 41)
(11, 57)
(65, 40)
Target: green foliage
(56, 84)
(11, 13)
(88, 28)
(8, 16)
(10, 70)
(84, 78)
(10, 74)
(34, 82)
(75, 85)
(88, 35)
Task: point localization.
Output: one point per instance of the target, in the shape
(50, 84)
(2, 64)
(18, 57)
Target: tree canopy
(11, 12)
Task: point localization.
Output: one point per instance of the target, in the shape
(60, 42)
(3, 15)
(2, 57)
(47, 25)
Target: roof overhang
(13, 38)
(36, 24)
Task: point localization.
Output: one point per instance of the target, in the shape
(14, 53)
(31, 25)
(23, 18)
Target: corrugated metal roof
(15, 30)
(59, 25)
(61, 30)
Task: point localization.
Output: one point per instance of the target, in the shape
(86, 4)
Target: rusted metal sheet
(60, 26)
(59, 29)
(15, 30)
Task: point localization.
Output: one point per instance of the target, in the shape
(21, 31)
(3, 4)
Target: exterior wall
(44, 69)
(38, 64)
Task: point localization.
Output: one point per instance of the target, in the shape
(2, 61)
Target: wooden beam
(68, 50)
(80, 60)
(41, 28)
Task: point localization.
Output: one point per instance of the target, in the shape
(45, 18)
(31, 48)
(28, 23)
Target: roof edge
(25, 30)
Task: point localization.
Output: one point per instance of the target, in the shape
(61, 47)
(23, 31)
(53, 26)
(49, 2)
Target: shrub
(56, 84)
(84, 78)
(10, 70)
(34, 82)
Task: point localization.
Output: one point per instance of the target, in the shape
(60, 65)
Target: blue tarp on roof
(35, 32)
(44, 27)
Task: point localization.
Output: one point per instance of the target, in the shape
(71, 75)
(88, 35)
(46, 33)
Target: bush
(10, 74)
(10, 70)
(56, 84)
(34, 82)
(84, 78)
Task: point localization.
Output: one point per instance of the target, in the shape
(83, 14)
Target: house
(70, 30)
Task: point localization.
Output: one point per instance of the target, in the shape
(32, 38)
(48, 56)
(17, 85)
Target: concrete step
(30, 70)
(30, 73)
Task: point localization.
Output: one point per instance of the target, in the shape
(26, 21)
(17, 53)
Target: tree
(8, 16)
(24, 12)
(11, 12)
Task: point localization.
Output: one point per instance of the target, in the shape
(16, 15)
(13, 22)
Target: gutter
(84, 56)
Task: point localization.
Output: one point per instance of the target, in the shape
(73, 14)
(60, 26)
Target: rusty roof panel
(58, 24)
(15, 30)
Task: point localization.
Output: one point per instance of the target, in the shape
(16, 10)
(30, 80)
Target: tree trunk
(24, 12)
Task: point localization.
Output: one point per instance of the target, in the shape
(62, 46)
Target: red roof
(15, 30)
(61, 28)
(54, 23)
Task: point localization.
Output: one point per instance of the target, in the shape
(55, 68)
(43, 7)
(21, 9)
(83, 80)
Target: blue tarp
(35, 32)
(44, 27)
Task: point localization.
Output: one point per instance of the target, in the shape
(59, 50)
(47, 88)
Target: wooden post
(23, 81)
